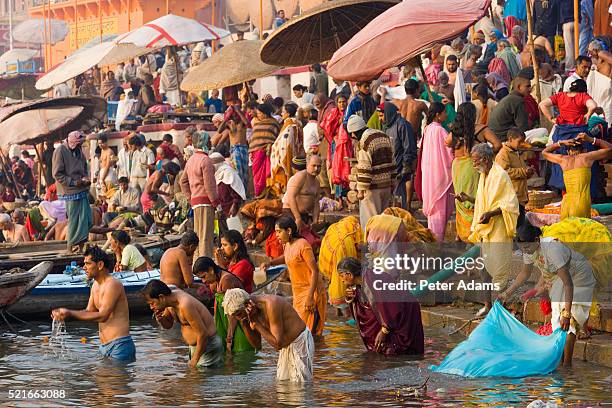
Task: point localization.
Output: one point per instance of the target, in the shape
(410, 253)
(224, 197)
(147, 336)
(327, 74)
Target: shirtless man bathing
(197, 324)
(175, 266)
(107, 305)
(303, 191)
(277, 322)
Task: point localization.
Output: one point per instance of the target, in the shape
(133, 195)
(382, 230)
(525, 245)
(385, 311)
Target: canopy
(314, 36)
(401, 33)
(235, 63)
(33, 31)
(34, 122)
(15, 55)
(172, 30)
(102, 54)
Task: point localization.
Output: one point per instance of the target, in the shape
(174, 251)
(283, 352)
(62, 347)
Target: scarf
(264, 134)
(108, 89)
(75, 139)
(226, 174)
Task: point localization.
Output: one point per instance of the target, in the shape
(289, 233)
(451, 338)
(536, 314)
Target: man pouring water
(107, 305)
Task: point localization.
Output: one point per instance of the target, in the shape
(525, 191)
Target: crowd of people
(458, 138)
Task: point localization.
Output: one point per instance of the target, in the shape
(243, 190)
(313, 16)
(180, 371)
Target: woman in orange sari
(288, 144)
(309, 299)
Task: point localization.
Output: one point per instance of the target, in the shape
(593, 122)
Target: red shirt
(571, 109)
(244, 271)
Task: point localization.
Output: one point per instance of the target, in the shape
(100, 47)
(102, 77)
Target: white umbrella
(172, 30)
(108, 53)
(15, 55)
(33, 31)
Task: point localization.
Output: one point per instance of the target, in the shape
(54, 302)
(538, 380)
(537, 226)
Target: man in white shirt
(583, 67)
(141, 161)
(342, 88)
(311, 129)
(302, 97)
(126, 199)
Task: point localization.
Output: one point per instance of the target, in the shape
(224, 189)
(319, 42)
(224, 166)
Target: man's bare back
(58, 231)
(190, 308)
(154, 182)
(304, 190)
(278, 317)
(412, 110)
(174, 266)
(118, 323)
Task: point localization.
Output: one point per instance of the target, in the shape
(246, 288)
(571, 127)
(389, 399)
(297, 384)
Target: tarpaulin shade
(401, 33)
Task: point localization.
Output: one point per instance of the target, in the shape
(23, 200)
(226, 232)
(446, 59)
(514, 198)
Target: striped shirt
(375, 165)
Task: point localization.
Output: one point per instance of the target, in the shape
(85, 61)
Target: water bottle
(67, 270)
(74, 268)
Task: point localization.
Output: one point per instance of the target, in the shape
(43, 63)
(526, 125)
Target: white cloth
(307, 97)
(599, 88)
(122, 163)
(141, 160)
(568, 82)
(553, 255)
(311, 135)
(295, 362)
(173, 97)
(62, 90)
(459, 91)
(124, 109)
(226, 174)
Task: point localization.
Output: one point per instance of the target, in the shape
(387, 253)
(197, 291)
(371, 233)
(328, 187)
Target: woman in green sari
(238, 338)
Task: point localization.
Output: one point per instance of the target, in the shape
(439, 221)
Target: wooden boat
(27, 254)
(16, 284)
(72, 291)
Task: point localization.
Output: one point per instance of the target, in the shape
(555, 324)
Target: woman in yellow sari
(576, 166)
(288, 144)
(309, 299)
(341, 240)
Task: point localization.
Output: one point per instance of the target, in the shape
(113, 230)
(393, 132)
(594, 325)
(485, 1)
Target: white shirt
(123, 162)
(141, 160)
(307, 97)
(311, 135)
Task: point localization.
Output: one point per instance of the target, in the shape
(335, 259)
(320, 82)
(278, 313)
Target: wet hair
(286, 222)
(351, 265)
(203, 264)
(527, 232)
(121, 237)
(434, 109)
(463, 127)
(578, 85)
(515, 133)
(291, 109)
(103, 138)
(167, 138)
(155, 288)
(172, 168)
(136, 141)
(265, 108)
(235, 237)
(190, 238)
(223, 150)
(97, 254)
(411, 87)
(583, 58)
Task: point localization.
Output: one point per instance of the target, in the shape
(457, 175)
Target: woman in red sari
(234, 257)
(389, 323)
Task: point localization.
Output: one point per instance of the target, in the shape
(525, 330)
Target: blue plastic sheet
(501, 346)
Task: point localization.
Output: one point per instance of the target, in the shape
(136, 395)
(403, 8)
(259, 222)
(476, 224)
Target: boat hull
(14, 286)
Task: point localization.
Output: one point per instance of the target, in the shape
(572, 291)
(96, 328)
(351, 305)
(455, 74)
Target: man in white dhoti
(276, 321)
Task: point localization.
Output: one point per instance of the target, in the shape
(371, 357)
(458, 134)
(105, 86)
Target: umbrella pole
(38, 171)
(178, 74)
(536, 69)
(429, 94)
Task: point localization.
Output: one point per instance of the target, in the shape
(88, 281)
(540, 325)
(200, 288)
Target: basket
(539, 199)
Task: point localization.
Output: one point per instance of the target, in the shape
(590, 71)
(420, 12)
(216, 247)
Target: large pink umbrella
(401, 33)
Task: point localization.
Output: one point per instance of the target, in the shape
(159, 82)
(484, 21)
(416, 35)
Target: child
(510, 160)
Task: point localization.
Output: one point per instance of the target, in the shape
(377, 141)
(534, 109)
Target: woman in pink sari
(340, 145)
(437, 182)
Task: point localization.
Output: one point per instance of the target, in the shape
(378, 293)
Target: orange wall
(114, 19)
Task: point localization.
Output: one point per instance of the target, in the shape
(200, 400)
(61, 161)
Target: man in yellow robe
(496, 211)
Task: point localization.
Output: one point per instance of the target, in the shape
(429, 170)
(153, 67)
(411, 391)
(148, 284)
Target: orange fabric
(298, 255)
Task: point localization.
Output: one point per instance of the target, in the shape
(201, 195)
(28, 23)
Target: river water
(345, 375)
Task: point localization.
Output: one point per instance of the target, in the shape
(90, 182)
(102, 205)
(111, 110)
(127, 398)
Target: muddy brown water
(345, 375)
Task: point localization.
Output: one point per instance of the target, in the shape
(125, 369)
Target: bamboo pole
(576, 28)
(536, 69)
(45, 33)
(50, 32)
(167, 6)
(129, 12)
(39, 170)
(212, 22)
(76, 25)
(261, 19)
